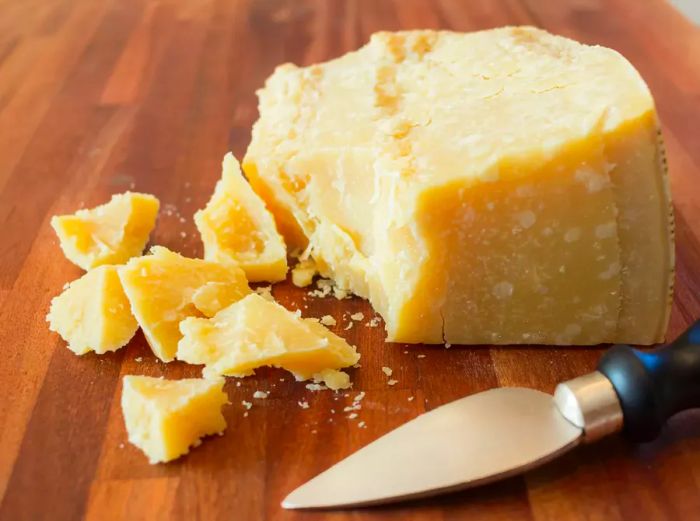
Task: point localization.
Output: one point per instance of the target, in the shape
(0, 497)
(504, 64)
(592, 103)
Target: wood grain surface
(97, 97)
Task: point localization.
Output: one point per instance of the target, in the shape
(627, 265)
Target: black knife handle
(654, 385)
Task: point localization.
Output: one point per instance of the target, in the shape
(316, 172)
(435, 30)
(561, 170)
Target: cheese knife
(505, 431)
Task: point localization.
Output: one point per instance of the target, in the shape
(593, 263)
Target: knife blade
(502, 432)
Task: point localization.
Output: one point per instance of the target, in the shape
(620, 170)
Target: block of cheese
(111, 233)
(164, 418)
(256, 332)
(235, 225)
(504, 186)
(93, 313)
(164, 287)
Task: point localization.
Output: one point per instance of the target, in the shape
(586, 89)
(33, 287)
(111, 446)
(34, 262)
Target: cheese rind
(493, 187)
(111, 233)
(93, 313)
(236, 226)
(255, 332)
(164, 418)
(164, 288)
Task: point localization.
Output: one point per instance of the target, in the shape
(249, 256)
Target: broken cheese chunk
(303, 273)
(504, 186)
(255, 332)
(164, 418)
(164, 288)
(93, 313)
(111, 233)
(235, 225)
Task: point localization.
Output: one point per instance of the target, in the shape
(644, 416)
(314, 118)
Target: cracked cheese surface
(236, 226)
(111, 233)
(164, 288)
(255, 332)
(164, 418)
(93, 313)
(505, 186)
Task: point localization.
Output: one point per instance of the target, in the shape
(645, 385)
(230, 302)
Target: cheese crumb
(387, 371)
(261, 394)
(374, 322)
(357, 316)
(316, 387)
(265, 292)
(352, 415)
(392, 382)
(328, 320)
(362, 425)
(359, 397)
(420, 356)
(349, 326)
(303, 405)
(326, 287)
(411, 398)
(247, 405)
(139, 359)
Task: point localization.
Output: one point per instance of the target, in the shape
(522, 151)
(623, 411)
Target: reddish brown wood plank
(100, 97)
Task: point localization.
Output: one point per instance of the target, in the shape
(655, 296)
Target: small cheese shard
(235, 225)
(255, 332)
(498, 187)
(163, 288)
(93, 313)
(111, 233)
(303, 273)
(164, 418)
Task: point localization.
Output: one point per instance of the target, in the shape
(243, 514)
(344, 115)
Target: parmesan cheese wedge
(164, 418)
(236, 226)
(164, 288)
(256, 332)
(111, 233)
(93, 313)
(502, 187)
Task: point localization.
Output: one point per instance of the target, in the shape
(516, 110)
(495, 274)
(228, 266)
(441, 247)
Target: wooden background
(97, 97)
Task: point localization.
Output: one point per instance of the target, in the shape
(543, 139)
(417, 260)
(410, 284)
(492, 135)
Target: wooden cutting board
(97, 97)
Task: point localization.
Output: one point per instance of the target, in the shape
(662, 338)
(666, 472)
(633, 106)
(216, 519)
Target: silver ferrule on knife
(591, 403)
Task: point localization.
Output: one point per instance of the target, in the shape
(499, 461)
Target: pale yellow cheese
(504, 186)
(111, 233)
(164, 418)
(164, 287)
(256, 332)
(236, 226)
(303, 273)
(92, 313)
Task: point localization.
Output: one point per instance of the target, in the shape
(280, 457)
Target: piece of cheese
(503, 186)
(164, 418)
(303, 273)
(164, 287)
(93, 313)
(255, 332)
(111, 233)
(235, 225)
